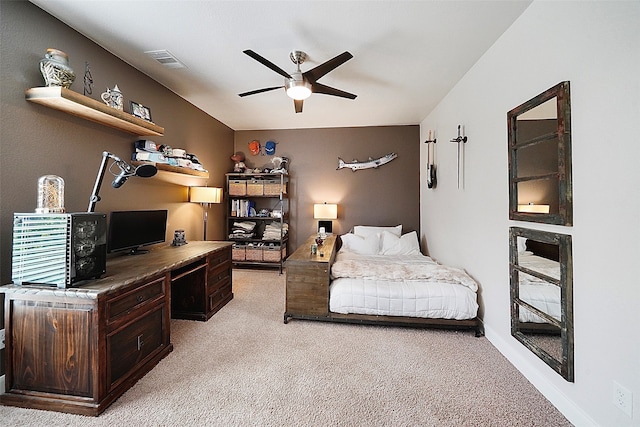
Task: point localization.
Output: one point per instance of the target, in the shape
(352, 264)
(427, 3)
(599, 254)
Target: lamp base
(327, 225)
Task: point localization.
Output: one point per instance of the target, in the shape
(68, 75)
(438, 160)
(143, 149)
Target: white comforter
(406, 285)
(542, 295)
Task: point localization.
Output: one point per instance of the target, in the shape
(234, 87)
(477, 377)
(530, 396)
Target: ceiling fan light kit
(298, 85)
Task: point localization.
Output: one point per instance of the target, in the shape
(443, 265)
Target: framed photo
(140, 111)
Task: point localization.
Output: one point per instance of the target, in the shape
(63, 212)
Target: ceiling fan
(299, 85)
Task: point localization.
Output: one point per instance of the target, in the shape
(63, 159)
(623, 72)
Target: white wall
(596, 46)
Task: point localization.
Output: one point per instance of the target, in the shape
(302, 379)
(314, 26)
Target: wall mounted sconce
(431, 158)
(531, 208)
(205, 196)
(126, 171)
(460, 140)
(325, 212)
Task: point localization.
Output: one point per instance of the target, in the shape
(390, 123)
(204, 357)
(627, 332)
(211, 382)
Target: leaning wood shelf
(87, 108)
(177, 175)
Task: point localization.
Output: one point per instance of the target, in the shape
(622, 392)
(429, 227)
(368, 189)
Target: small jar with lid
(50, 194)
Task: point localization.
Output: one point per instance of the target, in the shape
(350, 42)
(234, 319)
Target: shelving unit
(71, 102)
(253, 198)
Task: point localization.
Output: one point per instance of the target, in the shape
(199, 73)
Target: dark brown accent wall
(387, 195)
(37, 140)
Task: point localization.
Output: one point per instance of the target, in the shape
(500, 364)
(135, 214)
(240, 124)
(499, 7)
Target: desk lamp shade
(205, 196)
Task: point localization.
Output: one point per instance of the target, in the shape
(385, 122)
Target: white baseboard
(566, 406)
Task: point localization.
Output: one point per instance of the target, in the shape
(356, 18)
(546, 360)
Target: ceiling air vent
(165, 58)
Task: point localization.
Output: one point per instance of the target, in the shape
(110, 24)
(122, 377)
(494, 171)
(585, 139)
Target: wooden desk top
(326, 253)
(123, 270)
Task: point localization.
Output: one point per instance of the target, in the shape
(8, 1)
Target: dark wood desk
(77, 350)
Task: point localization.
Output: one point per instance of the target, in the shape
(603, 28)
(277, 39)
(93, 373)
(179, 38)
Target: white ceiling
(407, 54)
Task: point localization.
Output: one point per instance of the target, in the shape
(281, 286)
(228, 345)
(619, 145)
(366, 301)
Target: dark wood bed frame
(308, 280)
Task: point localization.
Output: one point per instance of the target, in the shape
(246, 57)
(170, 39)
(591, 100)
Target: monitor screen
(130, 230)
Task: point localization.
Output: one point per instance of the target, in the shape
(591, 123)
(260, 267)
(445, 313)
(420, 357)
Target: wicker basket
(238, 253)
(272, 188)
(238, 187)
(253, 253)
(255, 187)
(274, 253)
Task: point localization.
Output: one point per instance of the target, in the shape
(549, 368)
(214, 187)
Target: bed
(379, 276)
(541, 294)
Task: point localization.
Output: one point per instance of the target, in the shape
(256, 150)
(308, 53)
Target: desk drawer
(218, 275)
(219, 258)
(129, 347)
(220, 296)
(135, 298)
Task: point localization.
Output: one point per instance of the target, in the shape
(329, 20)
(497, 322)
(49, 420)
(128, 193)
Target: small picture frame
(140, 111)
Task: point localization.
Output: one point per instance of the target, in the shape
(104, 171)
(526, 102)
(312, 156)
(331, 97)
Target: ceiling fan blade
(298, 104)
(266, 89)
(267, 63)
(322, 69)
(328, 90)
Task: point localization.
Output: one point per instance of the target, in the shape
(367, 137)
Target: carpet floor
(245, 367)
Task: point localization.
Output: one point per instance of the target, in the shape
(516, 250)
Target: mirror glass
(540, 158)
(541, 296)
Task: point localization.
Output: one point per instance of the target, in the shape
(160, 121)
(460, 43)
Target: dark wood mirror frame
(562, 208)
(552, 246)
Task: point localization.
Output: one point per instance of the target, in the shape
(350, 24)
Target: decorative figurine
(179, 238)
(113, 98)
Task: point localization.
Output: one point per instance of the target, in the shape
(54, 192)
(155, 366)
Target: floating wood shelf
(79, 105)
(177, 175)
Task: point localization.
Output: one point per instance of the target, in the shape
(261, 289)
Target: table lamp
(325, 212)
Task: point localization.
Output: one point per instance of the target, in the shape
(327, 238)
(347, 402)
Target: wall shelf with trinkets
(71, 102)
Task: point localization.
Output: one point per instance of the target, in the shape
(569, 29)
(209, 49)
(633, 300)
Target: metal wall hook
(460, 138)
(429, 140)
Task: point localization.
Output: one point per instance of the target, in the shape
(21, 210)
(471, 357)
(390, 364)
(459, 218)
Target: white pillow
(369, 245)
(522, 244)
(394, 245)
(366, 230)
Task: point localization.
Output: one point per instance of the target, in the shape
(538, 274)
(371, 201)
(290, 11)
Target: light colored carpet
(245, 367)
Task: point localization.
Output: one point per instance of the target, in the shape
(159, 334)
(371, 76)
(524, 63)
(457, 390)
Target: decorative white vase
(56, 70)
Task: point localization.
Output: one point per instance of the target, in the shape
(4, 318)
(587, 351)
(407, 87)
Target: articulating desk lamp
(126, 171)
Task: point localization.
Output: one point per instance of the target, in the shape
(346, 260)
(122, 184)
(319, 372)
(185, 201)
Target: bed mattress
(546, 298)
(411, 298)
(412, 286)
(542, 295)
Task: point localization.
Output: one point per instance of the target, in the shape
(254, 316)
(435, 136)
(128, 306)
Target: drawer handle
(139, 298)
(140, 342)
